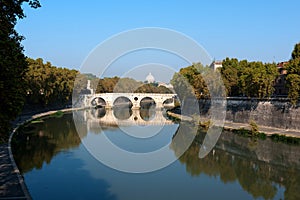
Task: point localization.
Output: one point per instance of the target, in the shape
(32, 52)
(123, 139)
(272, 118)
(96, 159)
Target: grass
(249, 133)
(262, 136)
(57, 114)
(205, 124)
(285, 139)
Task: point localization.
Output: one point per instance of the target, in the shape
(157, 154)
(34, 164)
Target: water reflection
(147, 114)
(262, 168)
(121, 117)
(36, 144)
(122, 113)
(99, 113)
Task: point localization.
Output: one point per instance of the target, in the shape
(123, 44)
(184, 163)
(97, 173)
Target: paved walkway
(11, 183)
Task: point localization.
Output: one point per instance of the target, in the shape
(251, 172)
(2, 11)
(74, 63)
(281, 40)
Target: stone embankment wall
(278, 113)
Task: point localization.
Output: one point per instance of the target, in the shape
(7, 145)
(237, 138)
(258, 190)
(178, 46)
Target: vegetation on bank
(262, 136)
(240, 78)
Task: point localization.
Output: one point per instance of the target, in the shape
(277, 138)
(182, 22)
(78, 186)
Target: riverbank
(12, 185)
(228, 125)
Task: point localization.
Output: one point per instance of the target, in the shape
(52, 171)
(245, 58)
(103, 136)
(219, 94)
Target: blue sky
(64, 32)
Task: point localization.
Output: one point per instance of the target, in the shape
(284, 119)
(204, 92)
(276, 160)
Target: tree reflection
(36, 144)
(237, 163)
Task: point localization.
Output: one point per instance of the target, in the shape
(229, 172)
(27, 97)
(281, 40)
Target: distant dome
(150, 78)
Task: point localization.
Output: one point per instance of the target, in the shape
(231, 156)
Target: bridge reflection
(125, 117)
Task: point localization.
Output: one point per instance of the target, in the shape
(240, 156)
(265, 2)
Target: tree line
(129, 85)
(240, 78)
(47, 85)
(293, 75)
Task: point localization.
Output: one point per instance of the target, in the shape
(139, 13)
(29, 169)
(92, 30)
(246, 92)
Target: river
(56, 159)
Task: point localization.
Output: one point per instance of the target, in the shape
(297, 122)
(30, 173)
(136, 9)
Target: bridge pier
(136, 105)
(159, 105)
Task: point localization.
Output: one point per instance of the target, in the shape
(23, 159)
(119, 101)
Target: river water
(54, 156)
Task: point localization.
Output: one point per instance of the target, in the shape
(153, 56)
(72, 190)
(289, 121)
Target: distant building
(215, 65)
(150, 78)
(280, 82)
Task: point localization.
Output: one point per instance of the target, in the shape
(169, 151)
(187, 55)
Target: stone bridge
(108, 100)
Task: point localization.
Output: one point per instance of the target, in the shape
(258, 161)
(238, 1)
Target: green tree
(294, 87)
(230, 72)
(296, 52)
(190, 82)
(293, 77)
(253, 79)
(107, 84)
(12, 62)
(48, 85)
(127, 85)
(257, 79)
(152, 88)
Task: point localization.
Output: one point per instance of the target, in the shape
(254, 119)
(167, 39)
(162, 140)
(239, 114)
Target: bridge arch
(98, 102)
(122, 101)
(147, 102)
(168, 102)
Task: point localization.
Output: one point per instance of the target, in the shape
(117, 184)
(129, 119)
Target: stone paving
(11, 183)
